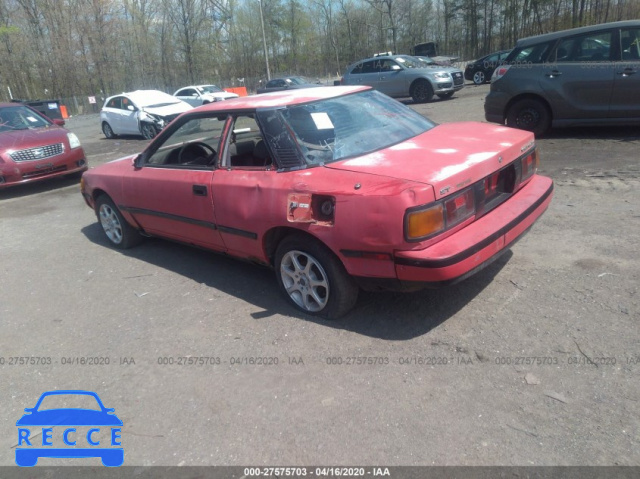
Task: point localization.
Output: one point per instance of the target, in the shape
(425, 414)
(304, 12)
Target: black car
(480, 71)
(287, 83)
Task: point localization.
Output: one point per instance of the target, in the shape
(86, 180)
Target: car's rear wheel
(421, 91)
(108, 131)
(479, 78)
(529, 114)
(119, 233)
(148, 131)
(444, 96)
(313, 279)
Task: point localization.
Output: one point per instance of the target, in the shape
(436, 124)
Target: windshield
(353, 125)
(409, 62)
(20, 117)
(426, 60)
(211, 89)
(297, 80)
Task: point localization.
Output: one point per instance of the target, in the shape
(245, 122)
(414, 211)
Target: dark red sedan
(335, 188)
(33, 147)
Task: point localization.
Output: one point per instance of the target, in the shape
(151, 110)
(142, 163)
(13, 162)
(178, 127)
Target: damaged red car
(335, 188)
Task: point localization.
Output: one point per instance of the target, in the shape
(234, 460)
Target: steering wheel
(196, 153)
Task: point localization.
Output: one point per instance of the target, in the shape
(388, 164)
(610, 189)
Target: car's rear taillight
(499, 72)
(529, 165)
(427, 221)
(459, 208)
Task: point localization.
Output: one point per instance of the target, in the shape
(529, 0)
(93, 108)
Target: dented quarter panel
(368, 218)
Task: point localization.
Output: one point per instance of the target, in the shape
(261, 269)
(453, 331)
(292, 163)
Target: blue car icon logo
(77, 426)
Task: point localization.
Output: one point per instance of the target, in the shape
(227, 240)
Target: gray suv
(583, 76)
(401, 76)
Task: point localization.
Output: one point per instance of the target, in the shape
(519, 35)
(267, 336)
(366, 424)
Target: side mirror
(58, 121)
(396, 67)
(131, 108)
(28, 409)
(138, 161)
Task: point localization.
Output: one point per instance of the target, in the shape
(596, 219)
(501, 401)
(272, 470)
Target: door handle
(200, 190)
(627, 71)
(553, 74)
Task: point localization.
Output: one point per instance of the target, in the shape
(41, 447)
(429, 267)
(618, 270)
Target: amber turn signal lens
(425, 222)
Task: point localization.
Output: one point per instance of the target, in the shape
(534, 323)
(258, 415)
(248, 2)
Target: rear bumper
(477, 245)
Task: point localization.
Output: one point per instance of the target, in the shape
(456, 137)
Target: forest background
(78, 48)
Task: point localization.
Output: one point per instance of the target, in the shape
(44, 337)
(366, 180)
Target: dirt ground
(534, 361)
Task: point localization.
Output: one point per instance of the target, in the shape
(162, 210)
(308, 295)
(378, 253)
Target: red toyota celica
(335, 188)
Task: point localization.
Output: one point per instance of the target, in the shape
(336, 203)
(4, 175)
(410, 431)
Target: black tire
(421, 91)
(301, 261)
(479, 78)
(445, 96)
(108, 131)
(118, 232)
(529, 114)
(148, 131)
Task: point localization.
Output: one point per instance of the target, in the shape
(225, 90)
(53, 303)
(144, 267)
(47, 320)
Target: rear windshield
(353, 125)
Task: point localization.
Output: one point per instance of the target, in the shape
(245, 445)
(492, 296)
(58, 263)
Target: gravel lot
(534, 361)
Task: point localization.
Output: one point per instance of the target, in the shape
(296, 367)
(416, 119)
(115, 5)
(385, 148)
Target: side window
(193, 145)
(115, 103)
(491, 60)
(126, 103)
(387, 65)
(246, 147)
(357, 70)
(369, 67)
(630, 44)
(586, 48)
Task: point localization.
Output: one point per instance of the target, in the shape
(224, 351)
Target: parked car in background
(287, 83)
(140, 112)
(334, 188)
(479, 71)
(583, 76)
(33, 147)
(202, 94)
(402, 76)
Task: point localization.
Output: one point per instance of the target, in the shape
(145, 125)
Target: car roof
(282, 98)
(525, 42)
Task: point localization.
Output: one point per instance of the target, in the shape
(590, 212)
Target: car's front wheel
(119, 233)
(421, 91)
(108, 131)
(313, 279)
(479, 78)
(148, 131)
(529, 114)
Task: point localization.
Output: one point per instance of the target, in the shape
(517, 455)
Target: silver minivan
(582, 76)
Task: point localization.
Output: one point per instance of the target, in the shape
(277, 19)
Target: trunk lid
(448, 157)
